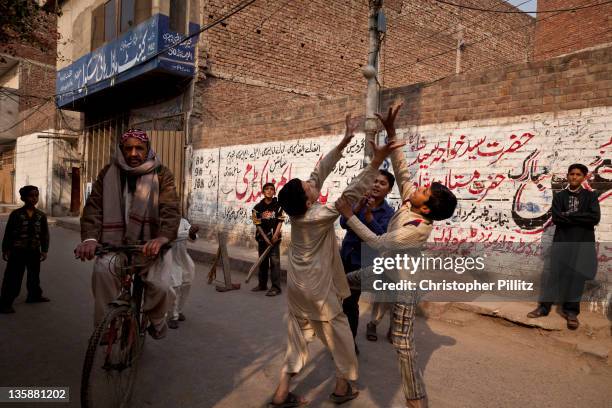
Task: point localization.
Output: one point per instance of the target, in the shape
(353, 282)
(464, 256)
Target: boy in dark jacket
(268, 219)
(25, 245)
(575, 212)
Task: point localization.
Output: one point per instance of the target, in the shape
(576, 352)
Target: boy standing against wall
(575, 213)
(268, 219)
(25, 246)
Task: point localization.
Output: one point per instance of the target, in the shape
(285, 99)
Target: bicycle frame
(123, 329)
(132, 286)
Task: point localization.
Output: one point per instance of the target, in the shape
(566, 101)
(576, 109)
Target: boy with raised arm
(409, 228)
(316, 283)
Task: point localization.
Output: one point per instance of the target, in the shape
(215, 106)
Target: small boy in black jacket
(25, 245)
(268, 218)
(575, 212)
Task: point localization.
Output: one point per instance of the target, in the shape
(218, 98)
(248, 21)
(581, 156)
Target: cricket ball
(368, 71)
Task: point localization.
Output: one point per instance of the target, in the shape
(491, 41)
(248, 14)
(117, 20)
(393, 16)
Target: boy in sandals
(316, 282)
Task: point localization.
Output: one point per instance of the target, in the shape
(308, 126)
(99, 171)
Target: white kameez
(183, 270)
(316, 282)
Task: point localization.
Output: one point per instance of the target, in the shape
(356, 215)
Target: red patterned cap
(135, 133)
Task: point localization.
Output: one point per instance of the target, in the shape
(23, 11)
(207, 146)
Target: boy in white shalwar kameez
(316, 282)
(183, 271)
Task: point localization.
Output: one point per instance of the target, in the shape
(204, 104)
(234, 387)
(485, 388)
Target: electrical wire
(423, 84)
(495, 35)
(448, 3)
(337, 79)
(236, 9)
(471, 24)
(14, 125)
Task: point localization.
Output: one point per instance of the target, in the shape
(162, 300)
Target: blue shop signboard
(130, 55)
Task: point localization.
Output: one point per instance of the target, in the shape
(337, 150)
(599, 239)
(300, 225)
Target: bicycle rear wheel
(109, 370)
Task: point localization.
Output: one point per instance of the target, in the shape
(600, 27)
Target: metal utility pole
(370, 71)
(460, 47)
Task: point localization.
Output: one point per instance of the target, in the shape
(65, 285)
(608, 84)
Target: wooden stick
(259, 261)
(225, 261)
(213, 270)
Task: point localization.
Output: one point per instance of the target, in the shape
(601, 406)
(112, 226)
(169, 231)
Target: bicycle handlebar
(126, 249)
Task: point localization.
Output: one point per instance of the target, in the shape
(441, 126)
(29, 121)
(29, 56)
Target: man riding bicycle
(133, 201)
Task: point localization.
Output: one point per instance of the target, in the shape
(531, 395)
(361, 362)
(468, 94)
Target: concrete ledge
(592, 339)
(515, 312)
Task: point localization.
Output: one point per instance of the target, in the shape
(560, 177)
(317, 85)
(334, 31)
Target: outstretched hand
(349, 132)
(344, 207)
(389, 122)
(382, 151)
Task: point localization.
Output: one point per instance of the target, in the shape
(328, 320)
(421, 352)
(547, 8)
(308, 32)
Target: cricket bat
(259, 261)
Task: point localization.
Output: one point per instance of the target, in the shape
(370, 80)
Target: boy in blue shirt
(374, 212)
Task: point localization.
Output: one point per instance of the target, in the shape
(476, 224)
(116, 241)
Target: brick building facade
(285, 54)
(565, 32)
(27, 79)
(30, 153)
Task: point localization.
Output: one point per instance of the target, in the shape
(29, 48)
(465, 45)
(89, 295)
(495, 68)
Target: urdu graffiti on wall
(504, 175)
(243, 170)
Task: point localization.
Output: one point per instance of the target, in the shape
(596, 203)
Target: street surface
(229, 352)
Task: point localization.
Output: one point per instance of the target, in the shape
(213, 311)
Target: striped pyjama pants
(402, 335)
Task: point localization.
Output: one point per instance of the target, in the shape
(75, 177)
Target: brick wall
(562, 33)
(280, 53)
(36, 80)
(580, 80)
(502, 141)
(37, 109)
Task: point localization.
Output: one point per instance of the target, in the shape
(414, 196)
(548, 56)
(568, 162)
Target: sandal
(290, 401)
(371, 332)
(341, 399)
(273, 292)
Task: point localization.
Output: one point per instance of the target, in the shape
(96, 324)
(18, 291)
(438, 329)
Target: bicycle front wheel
(111, 361)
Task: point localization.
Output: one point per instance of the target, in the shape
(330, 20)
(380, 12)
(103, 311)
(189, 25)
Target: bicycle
(111, 361)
